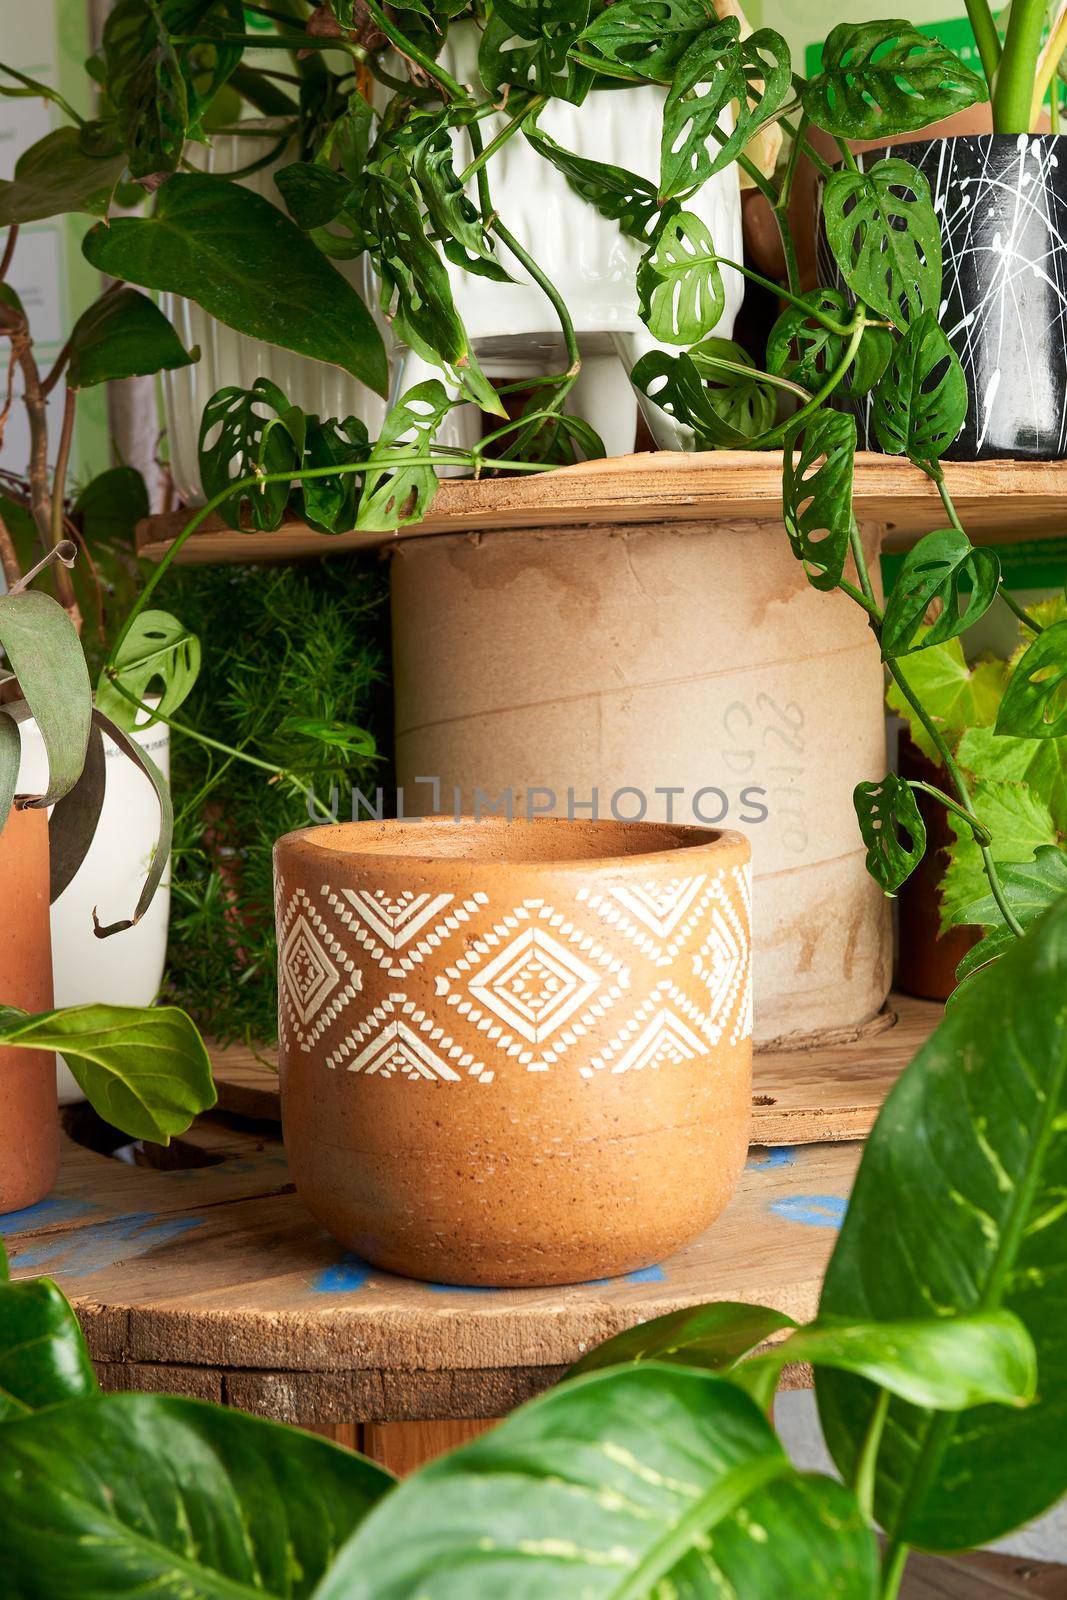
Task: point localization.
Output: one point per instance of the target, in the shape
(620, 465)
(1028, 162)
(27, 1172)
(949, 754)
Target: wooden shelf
(215, 1281)
(829, 1092)
(999, 502)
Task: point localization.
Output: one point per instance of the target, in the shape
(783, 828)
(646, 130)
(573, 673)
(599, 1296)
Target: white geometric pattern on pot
(665, 1029)
(658, 916)
(317, 976)
(385, 924)
(396, 1037)
(724, 960)
(541, 982)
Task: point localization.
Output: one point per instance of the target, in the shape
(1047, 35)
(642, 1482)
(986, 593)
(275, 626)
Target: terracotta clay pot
(514, 1053)
(29, 1127)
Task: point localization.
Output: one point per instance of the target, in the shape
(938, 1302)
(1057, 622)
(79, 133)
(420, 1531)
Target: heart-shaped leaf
(237, 441)
(892, 829)
(1035, 701)
(880, 79)
(159, 656)
(920, 403)
(209, 240)
(161, 854)
(43, 1356)
(55, 176)
(720, 71)
(679, 284)
(45, 654)
(617, 194)
(713, 1337)
(885, 237)
(936, 569)
(818, 462)
(800, 347)
(123, 335)
(139, 1493)
(644, 39)
(959, 1201)
(398, 490)
(72, 825)
(10, 760)
(640, 1480)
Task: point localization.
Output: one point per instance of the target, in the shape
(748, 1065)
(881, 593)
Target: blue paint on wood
(97, 1245)
(653, 1274)
(816, 1210)
(43, 1215)
(783, 1155)
(351, 1272)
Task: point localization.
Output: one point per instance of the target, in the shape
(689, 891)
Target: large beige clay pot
(514, 1053)
(673, 656)
(29, 1128)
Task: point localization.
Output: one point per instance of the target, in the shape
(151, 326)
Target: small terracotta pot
(514, 1053)
(927, 958)
(29, 1127)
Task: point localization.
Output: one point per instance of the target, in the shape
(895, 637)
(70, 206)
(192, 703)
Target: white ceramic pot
(126, 969)
(594, 266)
(230, 358)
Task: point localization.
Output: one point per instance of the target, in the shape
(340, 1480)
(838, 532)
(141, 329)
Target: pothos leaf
(55, 176)
(123, 335)
(10, 759)
(44, 1360)
(920, 402)
(800, 347)
(314, 194)
(935, 569)
(719, 70)
(880, 79)
(1035, 701)
(818, 462)
(159, 656)
(885, 237)
(644, 39)
(712, 1337)
(397, 491)
(237, 442)
(892, 829)
(679, 284)
(617, 194)
(44, 652)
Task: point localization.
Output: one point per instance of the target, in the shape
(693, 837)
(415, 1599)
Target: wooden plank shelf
(999, 502)
(215, 1281)
(827, 1092)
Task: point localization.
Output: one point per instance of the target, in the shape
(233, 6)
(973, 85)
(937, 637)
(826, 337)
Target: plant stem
(34, 89)
(981, 835)
(1014, 89)
(453, 89)
(986, 38)
(212, 744)
(9, 561)
(934, 471)
(59, 475)
(500, 140)
(774, 436)
(863, 1483)
(893, 1570)
(842, 329)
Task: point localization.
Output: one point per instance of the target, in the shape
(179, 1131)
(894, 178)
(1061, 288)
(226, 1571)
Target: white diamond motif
(665, 1030)
(535, 984)
(396, 1037)
(308, 972)
(724, 964)
(316, 976)
(388, 927)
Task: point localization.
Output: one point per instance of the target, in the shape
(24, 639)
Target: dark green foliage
(292, 663)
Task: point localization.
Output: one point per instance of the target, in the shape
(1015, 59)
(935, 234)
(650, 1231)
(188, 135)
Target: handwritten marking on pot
(99, 1245)
(816, 1210)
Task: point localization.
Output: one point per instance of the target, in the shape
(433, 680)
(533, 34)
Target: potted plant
(51, 757)
(652, 1466)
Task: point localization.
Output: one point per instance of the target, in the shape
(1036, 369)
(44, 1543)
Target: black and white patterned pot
(1002, 201)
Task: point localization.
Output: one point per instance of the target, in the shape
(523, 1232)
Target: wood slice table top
(1005, 501)
(213, 1280)
(830, 1091)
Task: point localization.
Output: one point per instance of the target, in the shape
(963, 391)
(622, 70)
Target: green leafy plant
(385, 156)
(652, 1468)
